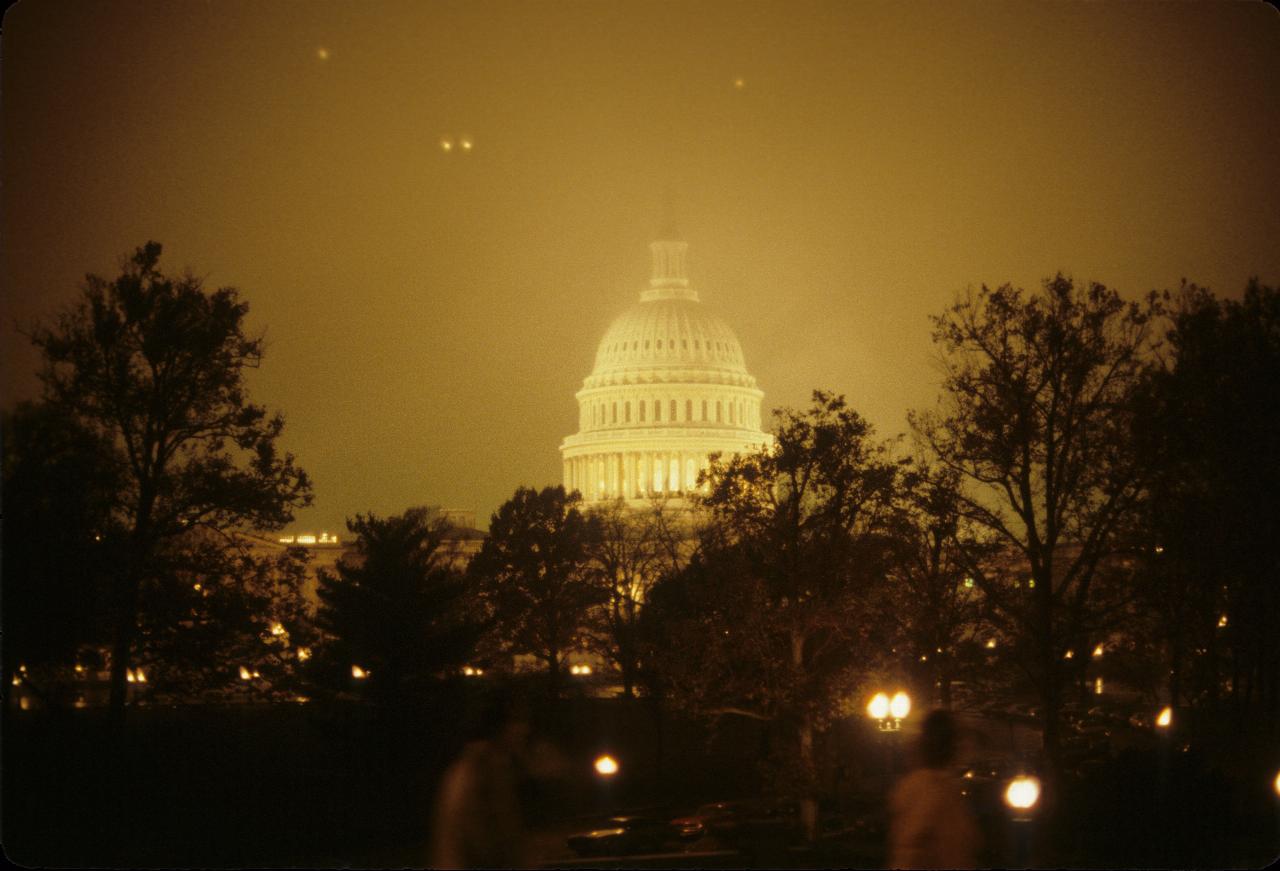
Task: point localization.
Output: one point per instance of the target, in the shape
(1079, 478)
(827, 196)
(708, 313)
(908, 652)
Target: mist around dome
(670, 388)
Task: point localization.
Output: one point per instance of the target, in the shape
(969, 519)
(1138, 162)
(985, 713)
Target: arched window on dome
(646, 344)
(657, 409)
(626, 412)
(641, 405)
(672, 409)
(731, 415)
(684, 344)
(704, 409)
(615, 413)
(688, 409)
(741, 413)
(719, 412)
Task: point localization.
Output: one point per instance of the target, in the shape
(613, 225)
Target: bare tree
(1035, 418)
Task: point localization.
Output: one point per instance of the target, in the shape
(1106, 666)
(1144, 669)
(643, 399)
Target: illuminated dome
(669, 388)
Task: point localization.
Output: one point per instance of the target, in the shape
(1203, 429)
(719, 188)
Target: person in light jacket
(932, 824)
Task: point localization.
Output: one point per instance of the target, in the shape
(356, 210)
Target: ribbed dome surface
(668, 333)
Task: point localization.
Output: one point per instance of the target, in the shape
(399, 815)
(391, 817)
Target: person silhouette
(478, 821)
(932, 825)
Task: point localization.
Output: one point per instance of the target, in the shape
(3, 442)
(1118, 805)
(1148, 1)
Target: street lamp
(889, 713)
(1165, 718)
(1022, 795)
(606, 766)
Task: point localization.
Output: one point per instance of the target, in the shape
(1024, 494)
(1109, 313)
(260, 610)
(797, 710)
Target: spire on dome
(669, 280)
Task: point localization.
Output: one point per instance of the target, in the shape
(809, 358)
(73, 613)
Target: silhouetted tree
(1208, 542)
(155, 365)
(779, 616)
(1035, 418)
(626, 554)
(399, 610)
(220, 622)
(939, 608)
(534, 574)
(60, 542)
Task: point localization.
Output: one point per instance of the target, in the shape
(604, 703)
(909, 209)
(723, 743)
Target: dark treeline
(1092, 498)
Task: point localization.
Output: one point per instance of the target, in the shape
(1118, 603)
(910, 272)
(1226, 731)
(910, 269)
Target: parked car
(696, 824)
(624, 835)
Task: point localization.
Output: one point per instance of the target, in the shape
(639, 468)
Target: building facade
(669, 389)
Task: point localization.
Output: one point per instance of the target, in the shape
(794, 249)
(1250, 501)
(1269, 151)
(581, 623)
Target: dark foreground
(299, 786)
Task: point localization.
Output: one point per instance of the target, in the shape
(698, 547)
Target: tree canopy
(154, 366)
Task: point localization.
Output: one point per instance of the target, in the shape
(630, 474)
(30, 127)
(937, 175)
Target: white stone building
(668, 389)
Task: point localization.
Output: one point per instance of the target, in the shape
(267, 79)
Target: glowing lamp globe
(1022, 793)
(878, 707)
(1165, 717)
(606, 766)
(900, 706)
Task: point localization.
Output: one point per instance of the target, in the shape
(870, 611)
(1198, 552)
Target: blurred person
(932, 825)
(478, 821)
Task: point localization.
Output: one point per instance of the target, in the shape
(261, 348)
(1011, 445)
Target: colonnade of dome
(669, 389)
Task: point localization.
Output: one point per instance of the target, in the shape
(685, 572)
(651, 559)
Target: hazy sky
(430, 315)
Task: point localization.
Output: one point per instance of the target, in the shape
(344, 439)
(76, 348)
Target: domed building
(669, 388)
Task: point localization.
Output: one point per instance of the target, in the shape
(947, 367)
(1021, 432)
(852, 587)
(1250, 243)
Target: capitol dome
(669, 388)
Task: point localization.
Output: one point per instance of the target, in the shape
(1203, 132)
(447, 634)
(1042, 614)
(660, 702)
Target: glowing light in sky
(322, 53)
(739, 83)
(446, 145)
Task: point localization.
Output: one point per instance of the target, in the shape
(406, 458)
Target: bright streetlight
(606, 766)
(1022, 793)
(1165, 718)
(889, 713)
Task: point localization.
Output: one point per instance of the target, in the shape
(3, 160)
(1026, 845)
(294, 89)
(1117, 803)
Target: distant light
(991, 643)
(465, 142)
(79, 668)
(1097, 686)
(80, 702)
(1276, 783)
(1222, 621)
(1022, 793)
(1097, 651)
(277, 629)
(446, 145)
(358, 673)
(306, 539)
(1165, 717)
(878, 707)
(244, 674)
(739, 83)
(1031, 583)
(304, 653)
(968, 582)
(287, 539)
(129, 676)
(24, 703)
(97, 537)
(1159, 548)
(322, 53)
(1070, 654)
(17, 681)
(924, 657)
(900, 706)
(302, 700)
(580, 669)
(606, 765)
(197, 587)
(141, 676)
(471, 671)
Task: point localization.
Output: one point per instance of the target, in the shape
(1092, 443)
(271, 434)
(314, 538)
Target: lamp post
(606, 769)
(889, 714)
(1022, 795)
